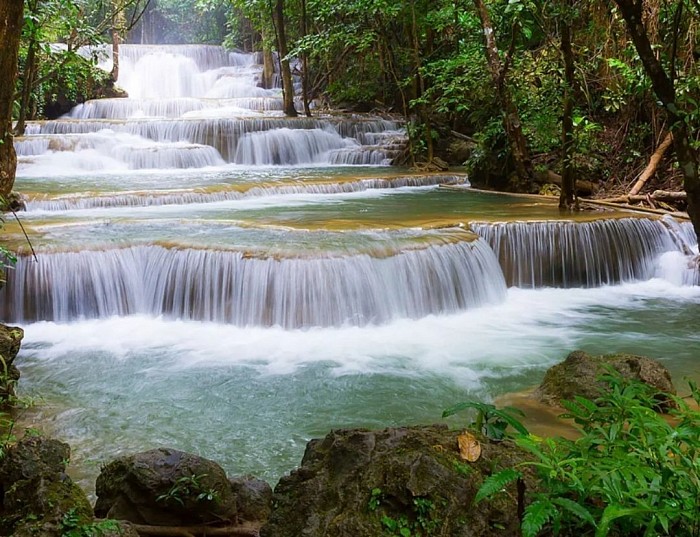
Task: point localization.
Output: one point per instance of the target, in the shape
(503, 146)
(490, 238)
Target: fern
(536, 516)
(575, 508)
(496, 483)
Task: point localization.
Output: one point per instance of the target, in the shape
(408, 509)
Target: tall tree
(283, 51)
(567, 199)
(511, 118)
(10, 30)
(663, 85)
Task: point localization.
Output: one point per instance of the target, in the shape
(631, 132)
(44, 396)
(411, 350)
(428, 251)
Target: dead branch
(657, 195)
(653, 164)
(628, 207)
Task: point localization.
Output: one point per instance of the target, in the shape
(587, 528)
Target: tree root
(194, 531)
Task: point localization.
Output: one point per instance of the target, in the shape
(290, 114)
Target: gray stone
(579, 375)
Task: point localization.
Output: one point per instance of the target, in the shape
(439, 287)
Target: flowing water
(214, 277)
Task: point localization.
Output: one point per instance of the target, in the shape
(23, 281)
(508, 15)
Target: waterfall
(144, 199)
(235, 288)
(571, 254)
(225, 134)
(203, 96)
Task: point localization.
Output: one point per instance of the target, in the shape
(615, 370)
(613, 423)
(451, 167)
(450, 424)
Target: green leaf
(613, 512)
(496, 482)
(536, 516)
(575, 509)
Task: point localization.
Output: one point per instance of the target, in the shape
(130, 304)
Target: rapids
(214, 277)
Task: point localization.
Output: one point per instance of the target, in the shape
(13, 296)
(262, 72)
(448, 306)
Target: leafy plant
(189, 486)
(631, 472)
(419, 520)
(71, 526)
(490, 420)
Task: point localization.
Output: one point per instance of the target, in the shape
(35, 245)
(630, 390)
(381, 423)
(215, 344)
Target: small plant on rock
(189, 487)
(492, 422)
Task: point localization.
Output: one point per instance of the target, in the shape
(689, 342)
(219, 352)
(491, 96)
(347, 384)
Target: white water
(219, 279)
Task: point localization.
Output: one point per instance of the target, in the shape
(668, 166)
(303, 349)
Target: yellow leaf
(469, 447)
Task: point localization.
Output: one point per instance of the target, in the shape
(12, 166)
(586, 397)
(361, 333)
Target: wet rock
(165, 487)
(10, 341)
(580, 375)
(253, 498)
(37, 497)
(358, 483)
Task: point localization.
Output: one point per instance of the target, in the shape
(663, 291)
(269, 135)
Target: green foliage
(631, 472)
(420, 521)
(187, 487)
(496, 483)
(73, 526)
(490, 420)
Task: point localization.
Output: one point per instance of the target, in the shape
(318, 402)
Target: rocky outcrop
(36, 496)
(359, 483)
(579, 374)
(10, 341)
(165, 487)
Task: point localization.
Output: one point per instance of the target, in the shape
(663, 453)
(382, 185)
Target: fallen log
(606, 203)
(657, 195)
(653, 164)
(584, 188)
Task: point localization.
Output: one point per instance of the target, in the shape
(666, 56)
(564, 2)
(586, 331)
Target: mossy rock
(579, 375)
(165, 487)
(354, 483)
(36, 495)
(10, 342)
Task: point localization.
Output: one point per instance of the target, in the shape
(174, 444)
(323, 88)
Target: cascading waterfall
(225, 134)
(570, 254)
(231, 287)
(145, 199)
(204, 96)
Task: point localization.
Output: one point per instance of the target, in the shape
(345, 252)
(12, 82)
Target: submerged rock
(579, 374)
(36, 496)
(165, 487)
(359, 483)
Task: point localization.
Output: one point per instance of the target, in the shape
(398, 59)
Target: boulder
(32, 457)
(36, 496)
(579, 374)
(360, 483)
(165, 487)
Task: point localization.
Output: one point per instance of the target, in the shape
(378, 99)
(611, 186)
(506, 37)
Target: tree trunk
(304, 63)
(268, 61)
(27, 85)
(420, 83)
(118, 28)
(10, 30)
(287, 85)
(567, 199)
(631, 11)
(511, 118)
